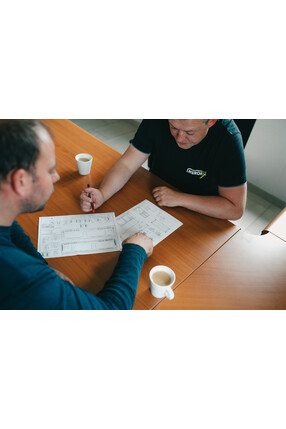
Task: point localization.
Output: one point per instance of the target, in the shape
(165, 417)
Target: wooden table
(184, 250)
(247, 272)
(277, 226)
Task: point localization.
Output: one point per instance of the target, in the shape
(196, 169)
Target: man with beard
(27, 177)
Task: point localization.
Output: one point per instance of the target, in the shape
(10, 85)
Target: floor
(117, 132)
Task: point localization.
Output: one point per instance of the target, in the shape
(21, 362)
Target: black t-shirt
(218, 160)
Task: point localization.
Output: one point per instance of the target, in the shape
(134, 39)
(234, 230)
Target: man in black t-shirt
(203, 159)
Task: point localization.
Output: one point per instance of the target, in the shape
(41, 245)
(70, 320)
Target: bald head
(189, 132)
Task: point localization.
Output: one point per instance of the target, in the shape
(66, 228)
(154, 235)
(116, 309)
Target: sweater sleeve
(27, 283)
(23, 241)
(120, 290)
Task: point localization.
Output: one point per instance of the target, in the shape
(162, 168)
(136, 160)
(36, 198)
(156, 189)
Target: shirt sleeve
(232, 167)
(143, 139)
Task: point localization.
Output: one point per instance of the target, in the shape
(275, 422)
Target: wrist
(103, 197)
(183, 199)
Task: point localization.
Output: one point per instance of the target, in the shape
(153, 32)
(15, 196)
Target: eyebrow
(188, 131)
(54, 167)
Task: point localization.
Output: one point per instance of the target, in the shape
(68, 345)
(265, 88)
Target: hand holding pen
(91, 199)
(92, 204)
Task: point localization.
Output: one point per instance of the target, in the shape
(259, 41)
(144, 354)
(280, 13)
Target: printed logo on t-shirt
(197, 172)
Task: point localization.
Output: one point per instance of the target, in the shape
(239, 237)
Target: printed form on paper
(149, 219)
(101, 232)
(78, 235)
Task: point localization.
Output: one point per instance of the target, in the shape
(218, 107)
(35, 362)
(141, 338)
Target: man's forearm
(120, 290)
(116, 177)
(119, 174)
(214, 206)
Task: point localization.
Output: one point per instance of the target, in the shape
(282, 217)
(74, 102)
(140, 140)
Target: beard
(37, 200)
(35, 203)
(31, 207)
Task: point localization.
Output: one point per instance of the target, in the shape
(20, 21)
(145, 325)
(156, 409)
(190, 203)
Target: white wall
(265, 155)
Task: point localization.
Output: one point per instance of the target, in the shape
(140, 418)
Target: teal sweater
(27, 281)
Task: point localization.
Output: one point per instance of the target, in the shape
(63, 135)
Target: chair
(245, 127)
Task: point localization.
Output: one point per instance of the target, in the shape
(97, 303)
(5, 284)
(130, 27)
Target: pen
(92, 204)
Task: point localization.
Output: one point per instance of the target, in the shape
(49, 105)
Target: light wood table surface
(184, 250)
(278, 226)
(247, 272)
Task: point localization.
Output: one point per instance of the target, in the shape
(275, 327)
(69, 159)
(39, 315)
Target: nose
(56, 177)
(180, 136)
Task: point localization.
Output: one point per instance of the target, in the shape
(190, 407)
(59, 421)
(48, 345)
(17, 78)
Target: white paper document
(78, 235)
(149, 219)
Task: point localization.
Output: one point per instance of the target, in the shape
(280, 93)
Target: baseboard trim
(263, 194)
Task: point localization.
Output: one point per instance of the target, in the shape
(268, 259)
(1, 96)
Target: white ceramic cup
(84, 161)
(158, 286)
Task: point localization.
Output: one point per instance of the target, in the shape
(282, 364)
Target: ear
(20, 181)
(211, 122)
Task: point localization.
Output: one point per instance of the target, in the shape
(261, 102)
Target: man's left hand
(165, 196)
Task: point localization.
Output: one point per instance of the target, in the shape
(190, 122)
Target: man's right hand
(95, 196)
(142, 240)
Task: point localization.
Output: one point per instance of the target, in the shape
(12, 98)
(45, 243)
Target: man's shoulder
(227, 130)
(228, 126)
(152, 130)
(16, 260)
(155, 124)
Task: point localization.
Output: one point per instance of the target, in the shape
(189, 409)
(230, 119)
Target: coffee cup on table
(84, 161)
(162, 279)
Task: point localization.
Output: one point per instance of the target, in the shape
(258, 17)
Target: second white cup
(162, 279)
(84, 161)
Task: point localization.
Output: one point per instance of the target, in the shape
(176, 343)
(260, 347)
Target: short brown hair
(19, 144)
